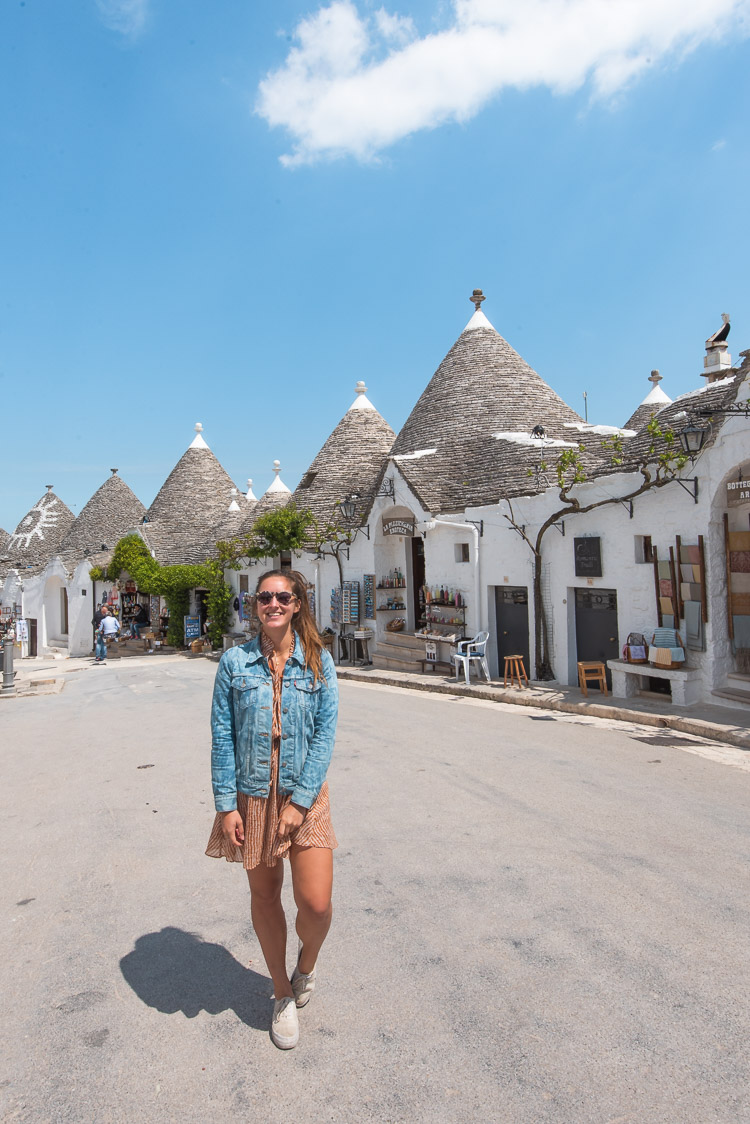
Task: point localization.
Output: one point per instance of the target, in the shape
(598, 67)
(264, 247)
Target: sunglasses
(265, 597)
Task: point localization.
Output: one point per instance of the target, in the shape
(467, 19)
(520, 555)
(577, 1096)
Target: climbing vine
(173, 583)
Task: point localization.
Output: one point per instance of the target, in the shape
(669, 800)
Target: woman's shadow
(177, 971)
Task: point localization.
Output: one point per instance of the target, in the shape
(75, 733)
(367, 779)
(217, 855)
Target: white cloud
(354, 84)
(126, 16)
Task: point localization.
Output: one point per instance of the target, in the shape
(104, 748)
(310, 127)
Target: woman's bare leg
(312, 879)
(269, 922)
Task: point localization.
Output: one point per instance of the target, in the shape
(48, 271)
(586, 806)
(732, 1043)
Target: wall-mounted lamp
(691, 439)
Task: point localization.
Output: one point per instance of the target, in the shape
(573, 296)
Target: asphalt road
(538, 918)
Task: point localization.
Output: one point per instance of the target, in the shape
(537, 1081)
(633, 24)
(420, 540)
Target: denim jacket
(241, 718)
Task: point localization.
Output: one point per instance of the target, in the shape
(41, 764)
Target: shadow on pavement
(177, 971)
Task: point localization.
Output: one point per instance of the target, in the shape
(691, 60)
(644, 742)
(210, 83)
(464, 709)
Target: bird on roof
(723, 332)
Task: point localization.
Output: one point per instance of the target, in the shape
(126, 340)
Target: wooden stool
(592, 671)
(515, 669)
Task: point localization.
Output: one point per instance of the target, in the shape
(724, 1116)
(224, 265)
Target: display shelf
(402, 586)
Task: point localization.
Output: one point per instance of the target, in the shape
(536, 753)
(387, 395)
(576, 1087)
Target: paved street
(539, 918)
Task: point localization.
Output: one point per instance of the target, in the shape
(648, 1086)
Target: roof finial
(361, 388)
(113, 471)
(250, 497)
(655, 378)
(277, 484)
(476, 298)
(198, 427)
(49, 487)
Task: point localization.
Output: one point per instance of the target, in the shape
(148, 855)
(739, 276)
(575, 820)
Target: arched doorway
(733, 502)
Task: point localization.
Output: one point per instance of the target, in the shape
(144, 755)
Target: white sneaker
(285, 1024)
(303, 985)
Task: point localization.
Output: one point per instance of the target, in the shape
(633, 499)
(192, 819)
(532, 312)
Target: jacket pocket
(245, 691)
(308, 692)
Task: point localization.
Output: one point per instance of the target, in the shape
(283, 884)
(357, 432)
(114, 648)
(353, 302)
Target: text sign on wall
(588, 558)
(738, 491)
(399, 527)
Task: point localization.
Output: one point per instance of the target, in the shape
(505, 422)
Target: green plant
(276, 531)
(173, 583)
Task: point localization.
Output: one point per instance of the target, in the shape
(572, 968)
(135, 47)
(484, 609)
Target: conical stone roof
(467, 441)
(4, 540)
(112, 511)
(197, 491)
(38, 536)
(351, 462)
(191, 503)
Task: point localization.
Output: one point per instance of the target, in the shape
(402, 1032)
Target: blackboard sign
(192, 629)
(588, 557)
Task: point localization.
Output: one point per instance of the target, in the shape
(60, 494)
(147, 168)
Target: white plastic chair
(472, 651)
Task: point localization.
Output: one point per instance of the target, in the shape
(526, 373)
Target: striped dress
(260, 814)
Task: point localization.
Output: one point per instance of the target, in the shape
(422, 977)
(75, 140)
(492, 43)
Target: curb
(698, 727)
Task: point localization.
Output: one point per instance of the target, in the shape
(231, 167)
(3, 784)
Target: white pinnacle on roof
(361, 402)
(656, 396)
(479, 320)
(234, 506)
(250, 497)
(198, 441)
(277, 485)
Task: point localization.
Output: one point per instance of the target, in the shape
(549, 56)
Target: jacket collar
(254, 654)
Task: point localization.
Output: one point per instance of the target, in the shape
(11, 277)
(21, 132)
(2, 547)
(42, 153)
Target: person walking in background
(273, 723)
(108, 631)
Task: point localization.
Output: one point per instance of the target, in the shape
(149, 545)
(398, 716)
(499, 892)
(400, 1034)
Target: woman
(273, 724)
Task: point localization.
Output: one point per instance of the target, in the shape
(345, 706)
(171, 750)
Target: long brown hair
(303, 622)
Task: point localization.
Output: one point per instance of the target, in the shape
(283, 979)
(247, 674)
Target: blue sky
(231, 212)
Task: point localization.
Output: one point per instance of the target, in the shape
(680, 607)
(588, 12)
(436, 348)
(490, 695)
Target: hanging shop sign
(588, 558)
(192, 629)
(738, 491)
(399, 527)
(430, 651)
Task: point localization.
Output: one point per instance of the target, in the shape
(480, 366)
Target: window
(461, 552)
(243, 584)
(643, 549)
(307, 480)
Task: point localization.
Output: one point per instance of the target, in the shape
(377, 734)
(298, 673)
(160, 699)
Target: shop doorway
(512, 620)
(33, 650)
(63, 611)
(596, 626)
(417, 579)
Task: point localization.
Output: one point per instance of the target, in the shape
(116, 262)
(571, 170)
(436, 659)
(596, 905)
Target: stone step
(741, 697)
(402, 640)
(392, 663)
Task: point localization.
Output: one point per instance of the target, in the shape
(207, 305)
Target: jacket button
(286, 735)
(285, 710)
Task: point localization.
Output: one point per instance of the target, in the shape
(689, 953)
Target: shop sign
(430, 651)
(588, 558)
(192, 629)
(399, 527)
(738, 491)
